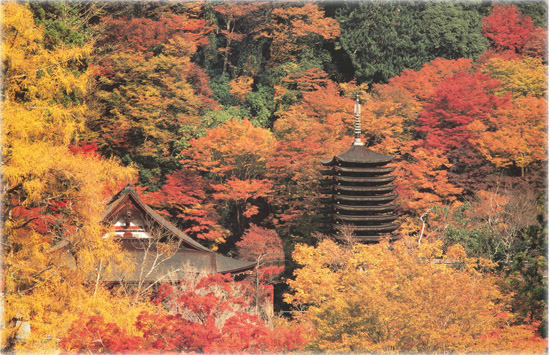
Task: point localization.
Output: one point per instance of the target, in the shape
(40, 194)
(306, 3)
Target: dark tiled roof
(230, 265)
(358, 154)
(383, 228)
(371, 199)
(174, 267)
(356, 208)
(165, 268)
(195, 257)
(129, 192)
(357, 171)
(359, 179)
(373, 189)
(359, 218)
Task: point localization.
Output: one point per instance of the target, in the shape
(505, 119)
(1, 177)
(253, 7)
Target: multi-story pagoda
(359, 191)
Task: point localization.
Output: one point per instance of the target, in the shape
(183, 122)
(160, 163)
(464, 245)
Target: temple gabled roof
(358, 154)
(127, 194)
(221, 264)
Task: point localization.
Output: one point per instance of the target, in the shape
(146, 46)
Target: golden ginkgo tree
(404, 297)
(53, 193)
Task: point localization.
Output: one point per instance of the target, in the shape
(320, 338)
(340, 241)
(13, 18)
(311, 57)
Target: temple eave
(359, 170)
(381, 198)
(356, 208)
(360, 179)
(384, 228)
(345, 188)
(359, 218)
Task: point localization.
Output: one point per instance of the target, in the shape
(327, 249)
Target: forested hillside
(220, 113)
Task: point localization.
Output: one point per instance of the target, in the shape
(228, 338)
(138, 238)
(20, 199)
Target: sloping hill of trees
(220, 112)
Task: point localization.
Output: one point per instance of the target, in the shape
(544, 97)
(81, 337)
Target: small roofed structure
(358, 190)
(158, 249)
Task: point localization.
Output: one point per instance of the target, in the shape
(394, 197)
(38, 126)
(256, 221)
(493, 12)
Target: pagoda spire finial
(357, 127)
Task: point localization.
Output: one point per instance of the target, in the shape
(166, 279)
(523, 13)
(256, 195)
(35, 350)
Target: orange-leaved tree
(514, 135)
(422, 83)
(264, 247)
(149, 93)
(308, 132)
(185, 201)
(232, 14)
(293, 29)
(233, 157)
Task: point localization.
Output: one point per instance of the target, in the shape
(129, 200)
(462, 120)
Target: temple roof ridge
(227, 264)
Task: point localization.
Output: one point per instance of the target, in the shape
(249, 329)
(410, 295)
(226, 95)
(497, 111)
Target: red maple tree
(507, 28)
(458, 101)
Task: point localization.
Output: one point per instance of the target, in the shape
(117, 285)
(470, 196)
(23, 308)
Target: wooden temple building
(157, 248)
(358, 190)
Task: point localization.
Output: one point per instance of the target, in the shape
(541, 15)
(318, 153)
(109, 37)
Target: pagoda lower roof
(358, 154)
(369, 238)
(356, 218)
(356, 208)
(382, 198)
(359, 170)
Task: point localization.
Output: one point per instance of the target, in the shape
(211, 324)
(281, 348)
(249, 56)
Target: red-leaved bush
(207, 314)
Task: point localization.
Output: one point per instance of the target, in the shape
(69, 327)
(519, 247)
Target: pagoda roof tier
(357, 200)
(358, 154)
(374, 218)
(360, 179)
(382, 228)
(355, 208)
(346, 189)
(377, 189)
(370, 238)
(383, 198)
(358, 170)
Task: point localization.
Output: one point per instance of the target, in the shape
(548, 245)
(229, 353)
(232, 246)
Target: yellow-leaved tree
(53, 192)
(520, 77)
(405, 296)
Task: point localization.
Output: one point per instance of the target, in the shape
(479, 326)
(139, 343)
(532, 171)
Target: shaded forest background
(220, 112)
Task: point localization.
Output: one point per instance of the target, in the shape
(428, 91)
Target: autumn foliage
(295, 28)
(458, 100)
(208, 315)
(219, 114)
(406, 296)
(507, 28)
(184, 200)
(53, 188)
